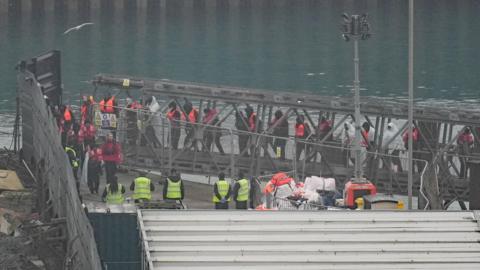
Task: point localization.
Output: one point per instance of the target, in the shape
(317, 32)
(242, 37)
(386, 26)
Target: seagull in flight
(76, 28)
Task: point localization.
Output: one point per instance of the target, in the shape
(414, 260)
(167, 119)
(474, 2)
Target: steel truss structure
(439, 129)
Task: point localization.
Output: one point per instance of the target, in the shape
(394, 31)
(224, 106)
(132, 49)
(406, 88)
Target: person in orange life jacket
(111, 156)
(415, 147)
(108, 104)
(191, 117)
(94, 169)
(281, 130)
(66, 122)
(212, 134)
(174, 116)
(175, 178)
(302, 132)
(240, 124)
(86, 134)
(131, 116)
(464, 143)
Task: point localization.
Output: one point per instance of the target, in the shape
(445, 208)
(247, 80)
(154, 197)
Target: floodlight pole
(356, 27)
(358, 135)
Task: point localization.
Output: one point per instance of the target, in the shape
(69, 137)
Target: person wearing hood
(393, 150)
(173, 188)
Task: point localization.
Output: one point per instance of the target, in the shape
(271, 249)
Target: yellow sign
(126, 82)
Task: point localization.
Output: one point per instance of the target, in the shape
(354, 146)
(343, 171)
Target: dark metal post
(410, 104)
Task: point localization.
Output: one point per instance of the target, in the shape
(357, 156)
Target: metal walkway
(438, 128)
(201, 240)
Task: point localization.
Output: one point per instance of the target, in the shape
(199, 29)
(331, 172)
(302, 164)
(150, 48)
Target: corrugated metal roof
(310, 240)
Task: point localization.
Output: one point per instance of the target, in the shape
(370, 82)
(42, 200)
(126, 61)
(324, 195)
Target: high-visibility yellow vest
(73, 162)
(243, 191)
(173, 190)
(142, 189)
(114, 198)
(222, 187)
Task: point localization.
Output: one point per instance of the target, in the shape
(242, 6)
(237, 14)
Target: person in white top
(394, 148)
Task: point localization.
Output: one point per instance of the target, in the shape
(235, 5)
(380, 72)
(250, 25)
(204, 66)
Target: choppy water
(285, 45)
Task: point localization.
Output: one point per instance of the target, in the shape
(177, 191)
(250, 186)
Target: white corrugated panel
(310, 240)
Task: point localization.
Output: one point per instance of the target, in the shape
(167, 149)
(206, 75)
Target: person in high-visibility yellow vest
(113, 192)
(221, 192)
(72, 156)
(173, 187)
(142, 188)
(241, 191)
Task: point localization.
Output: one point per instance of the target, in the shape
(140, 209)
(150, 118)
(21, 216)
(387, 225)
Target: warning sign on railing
(105, 120)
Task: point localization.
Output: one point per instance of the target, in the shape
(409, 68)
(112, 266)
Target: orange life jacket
(251, 121)
(299, 130)
(67, 115)
(192, 116)
(107, 107)
(135, 105)
(415, 135)
(364, 142)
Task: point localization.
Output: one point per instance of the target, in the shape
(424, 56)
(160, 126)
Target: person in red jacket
(415, 142)
(111, 156)
(86, 134)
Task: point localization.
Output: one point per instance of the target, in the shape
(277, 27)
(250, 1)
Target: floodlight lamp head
(346, 18)
(345, 37)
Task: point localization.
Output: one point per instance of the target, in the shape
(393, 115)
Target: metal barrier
(148, 145)
(43, 151)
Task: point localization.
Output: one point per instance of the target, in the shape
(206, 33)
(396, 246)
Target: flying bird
(76, 28)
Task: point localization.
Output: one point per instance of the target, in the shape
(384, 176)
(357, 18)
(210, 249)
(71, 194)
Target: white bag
(319, 183)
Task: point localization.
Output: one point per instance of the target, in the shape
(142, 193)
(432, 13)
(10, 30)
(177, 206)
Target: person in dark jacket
(174, 116)
(173, 188)
(212, 134)
(302, 132)
(281, 130)
(240, 124)
(221, 192)
(94, 170)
